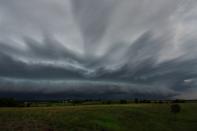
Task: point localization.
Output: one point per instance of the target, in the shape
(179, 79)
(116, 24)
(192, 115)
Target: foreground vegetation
(108, 117)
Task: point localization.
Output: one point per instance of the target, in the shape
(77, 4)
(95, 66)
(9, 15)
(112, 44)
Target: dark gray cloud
(98, 48)
(75, 89)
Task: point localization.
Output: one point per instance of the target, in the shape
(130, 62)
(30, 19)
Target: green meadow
(111, 117)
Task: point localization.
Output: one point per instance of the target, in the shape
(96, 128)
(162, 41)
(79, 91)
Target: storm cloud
(98, 48)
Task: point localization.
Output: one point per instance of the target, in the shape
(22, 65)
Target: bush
(175, 108)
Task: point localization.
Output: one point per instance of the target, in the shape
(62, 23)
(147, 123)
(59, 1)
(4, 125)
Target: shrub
(175, 108)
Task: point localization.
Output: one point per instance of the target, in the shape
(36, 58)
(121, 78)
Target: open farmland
(114, 117)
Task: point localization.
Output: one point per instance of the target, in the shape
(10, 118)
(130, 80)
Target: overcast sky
(98, 49)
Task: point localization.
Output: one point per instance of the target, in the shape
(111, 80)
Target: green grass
(128, 117)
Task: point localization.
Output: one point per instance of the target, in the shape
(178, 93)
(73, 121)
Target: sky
(98, 49)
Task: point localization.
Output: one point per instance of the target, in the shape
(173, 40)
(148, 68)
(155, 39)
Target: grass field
(116, 117)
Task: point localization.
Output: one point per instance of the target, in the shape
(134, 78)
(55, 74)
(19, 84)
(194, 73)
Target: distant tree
(28, 104)
(77, 102)
(136, 100)
(145, 101)
(109, 102)
(123, 101)
(178, 101)
(8, 102)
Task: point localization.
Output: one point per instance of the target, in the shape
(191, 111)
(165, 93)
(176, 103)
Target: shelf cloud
(98, 49)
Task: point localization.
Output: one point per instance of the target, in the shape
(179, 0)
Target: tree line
(11, 102)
